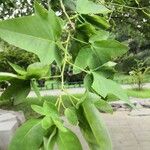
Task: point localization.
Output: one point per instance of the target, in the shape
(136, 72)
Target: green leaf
(50, 109)
(28, 136)
(68, 141)
(107, 70)
(97, 21)
(71, 115)
(99, 35)
(88, 80)
(82, 99)
(36, 89)
(18, 69)
(47, 122)
(109, 64)
(91, 7)
(51, 21)
(71, 4)
(103, 106)
(58, 57)
(105, 86)
(86, 130)
(84, 31)
(38, 109)
(4, 76)
(59, 124)
(97, 125)
(82, 59)
(17, 91)
(36, 34)
(106, 50)
(94, 61)
(38, 70)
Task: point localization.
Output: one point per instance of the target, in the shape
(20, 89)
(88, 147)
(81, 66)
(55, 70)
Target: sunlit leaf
(36, 34)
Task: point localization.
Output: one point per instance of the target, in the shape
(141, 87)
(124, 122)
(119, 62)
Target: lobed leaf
(36, 34)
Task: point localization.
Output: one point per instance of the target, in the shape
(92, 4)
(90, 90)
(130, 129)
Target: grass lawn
(144, 93)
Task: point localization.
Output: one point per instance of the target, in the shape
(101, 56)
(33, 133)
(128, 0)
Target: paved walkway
(128, 132)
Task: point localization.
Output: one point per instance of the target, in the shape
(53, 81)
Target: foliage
(131, 20)
(62, 40)
(12, 54)
(138, 73)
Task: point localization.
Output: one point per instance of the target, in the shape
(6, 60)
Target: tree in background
(13, 54)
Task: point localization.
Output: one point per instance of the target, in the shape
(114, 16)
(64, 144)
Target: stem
(65, 61)
(63, 103)
(64, 10)
(71, 100)
(59, 100)
(48, 3)
(79, 40)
